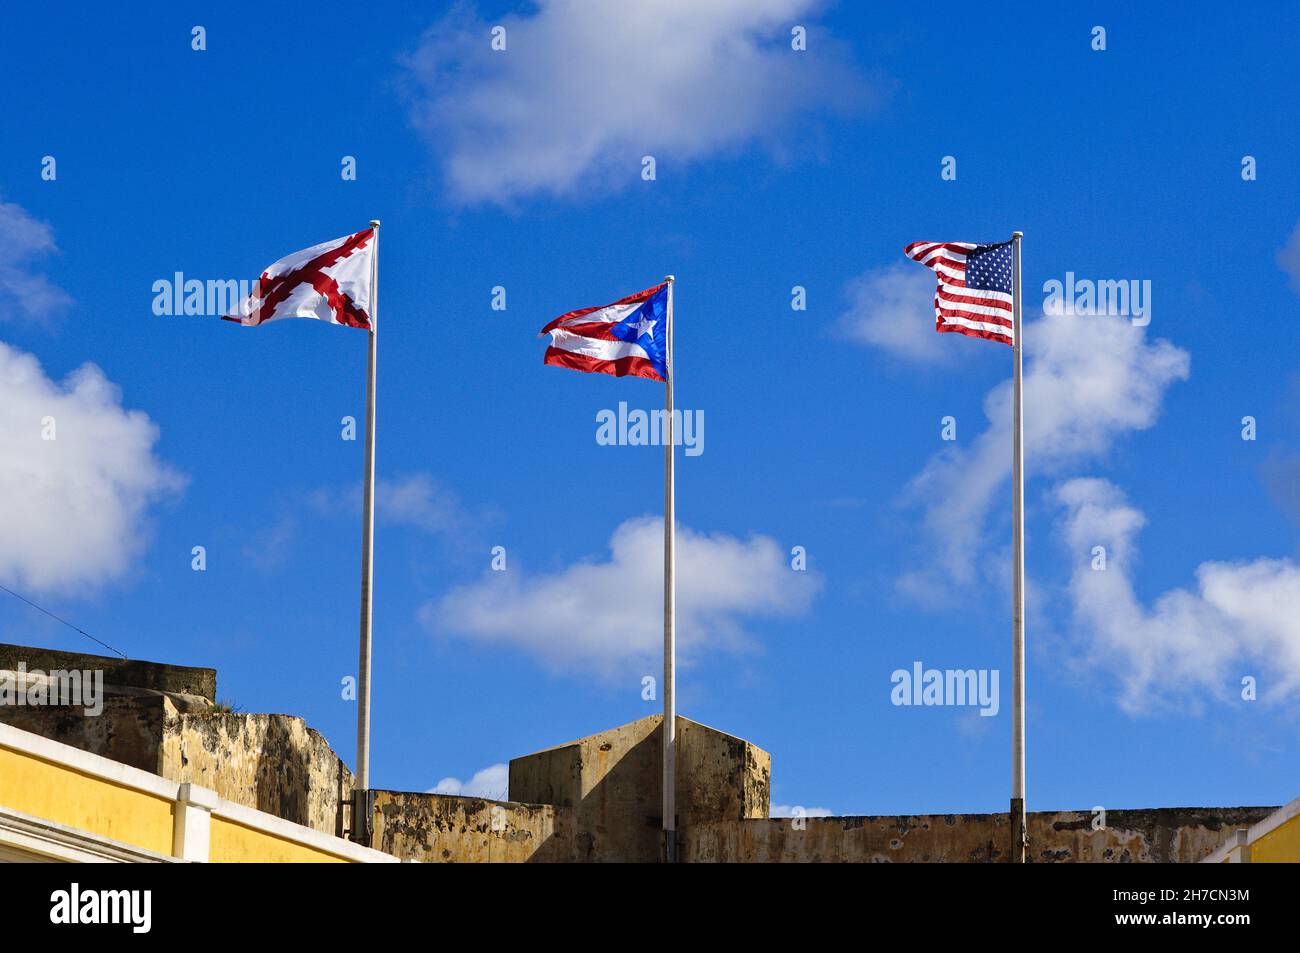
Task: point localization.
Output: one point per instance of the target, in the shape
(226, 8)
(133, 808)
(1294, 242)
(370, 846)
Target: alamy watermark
(213, 298)
(952, 686)
(60, 688)
(133, 908)
(642, 428)
(1122, 298)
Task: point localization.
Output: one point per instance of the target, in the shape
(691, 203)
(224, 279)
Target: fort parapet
(595, 799)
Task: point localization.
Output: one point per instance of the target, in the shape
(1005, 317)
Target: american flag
(974, 295)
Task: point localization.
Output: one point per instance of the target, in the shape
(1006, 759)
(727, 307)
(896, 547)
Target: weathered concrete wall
(719, 776)
(274, 763)
(119, 673)
(612, 781)
(161, 718)
(1166, 835)
(139, 697)
(1180, 835)
(602, 780)
(129, 729)
(439, 828)
(594, 799)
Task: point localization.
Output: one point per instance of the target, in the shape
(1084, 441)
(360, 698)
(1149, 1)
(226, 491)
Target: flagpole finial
(670, 277)
(374, 223)
(1013, 234)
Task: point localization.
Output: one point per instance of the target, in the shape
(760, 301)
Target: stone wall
(439, 828)
(128, 730)
(591, 800)
(274, 763)
(163, 719)
(126, 676)
(612, 782)
(719, 776)
(1165, 835)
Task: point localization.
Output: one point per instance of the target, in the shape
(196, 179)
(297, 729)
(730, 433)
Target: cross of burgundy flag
(974, 294)
(628, 338)
(330, 282)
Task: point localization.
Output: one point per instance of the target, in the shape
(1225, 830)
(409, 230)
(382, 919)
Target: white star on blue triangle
(647, 326)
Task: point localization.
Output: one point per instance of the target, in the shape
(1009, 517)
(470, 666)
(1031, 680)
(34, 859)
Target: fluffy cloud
(24, 294)
(607, 616)
(72, 509)
(493, 783)
(585, 88)
(1088, 381)
(1239, 619)
(892, 308)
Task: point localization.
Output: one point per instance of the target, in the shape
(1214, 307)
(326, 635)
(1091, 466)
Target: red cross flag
(330, 282)
(338, 282)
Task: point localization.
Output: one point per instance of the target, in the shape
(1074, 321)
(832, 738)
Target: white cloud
(1288, 259)
(795, 810)
(607, 616)
(414, 500)
(73, 509)
(1088, 381)
(585, 88)
(493, 783)
(1240, 619)
(892, 308)
(24, 294)
(419, 501)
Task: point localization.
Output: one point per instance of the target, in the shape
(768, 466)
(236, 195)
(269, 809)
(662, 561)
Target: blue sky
(774, 169)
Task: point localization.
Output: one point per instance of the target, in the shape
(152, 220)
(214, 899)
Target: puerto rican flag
(628, 338)
(330, 282)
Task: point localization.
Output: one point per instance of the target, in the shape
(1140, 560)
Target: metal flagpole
(670, 604)
(1019, 831)
(362, 818)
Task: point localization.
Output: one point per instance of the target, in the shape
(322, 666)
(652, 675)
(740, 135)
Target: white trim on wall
(1236, 849)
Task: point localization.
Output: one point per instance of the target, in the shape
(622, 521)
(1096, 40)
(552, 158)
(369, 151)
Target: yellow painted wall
(58, 793)
(1279, 846)
(233, 843)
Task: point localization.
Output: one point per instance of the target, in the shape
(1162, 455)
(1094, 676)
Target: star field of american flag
(988, 268)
